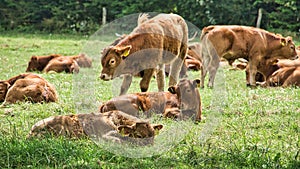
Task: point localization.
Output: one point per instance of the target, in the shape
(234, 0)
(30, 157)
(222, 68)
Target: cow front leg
(144, 84)
(160, 77)
(127, 79)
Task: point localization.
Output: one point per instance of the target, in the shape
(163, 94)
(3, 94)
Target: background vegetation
(85, 16)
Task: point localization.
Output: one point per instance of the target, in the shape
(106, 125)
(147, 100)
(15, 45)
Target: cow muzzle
(105, 77)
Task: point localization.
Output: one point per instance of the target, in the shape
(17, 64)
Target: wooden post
(103, 16)
(259, 18)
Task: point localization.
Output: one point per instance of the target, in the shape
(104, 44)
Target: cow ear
(172, 89)
(157, 126)
(123, 51)
(196, 82)
(33, 58)
(125, 130)
(283, 42)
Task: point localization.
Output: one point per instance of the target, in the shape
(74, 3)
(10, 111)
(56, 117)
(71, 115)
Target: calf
(62, 64)
(38, 63)
(167, 37)
(111, 126)
(285, 76)
(181, 101)
(27, 87)
(232, 42)
(83, 60)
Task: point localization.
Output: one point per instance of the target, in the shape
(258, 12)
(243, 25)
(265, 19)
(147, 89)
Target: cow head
(38, 63)
(140, 130)
(286, 48)
(188, 96)
(4, 85)
(112, 57)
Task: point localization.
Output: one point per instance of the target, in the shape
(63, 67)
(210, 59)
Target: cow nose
(103, 76)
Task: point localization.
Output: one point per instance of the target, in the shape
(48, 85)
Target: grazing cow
(232, 42)
(38, 63)
(153, 43)
(27, 87)
(111, 126)
(181, 101)
(62, 64)
(286, 76)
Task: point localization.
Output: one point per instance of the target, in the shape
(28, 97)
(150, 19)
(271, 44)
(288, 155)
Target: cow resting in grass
(27, 87)
(285, 76)
(182, 101)
(66, 64)
(232, 42)
(38, 63)
(152, 44)
(111, 126)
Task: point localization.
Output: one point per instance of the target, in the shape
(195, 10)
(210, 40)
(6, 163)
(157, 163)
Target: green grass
(244, 128)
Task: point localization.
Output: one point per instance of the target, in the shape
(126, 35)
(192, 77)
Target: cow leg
(160, 77)
(212, 73)
(203, 75)
(127, 79)
(144, 84)
(252, 74)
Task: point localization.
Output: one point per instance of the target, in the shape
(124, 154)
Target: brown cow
(66, 64)
(194, 58)
(38, 63)
(83, 60)
(25, 87)
(153, 43)
(286, 76)
(232, 42)
(111, 126)
(181, 101)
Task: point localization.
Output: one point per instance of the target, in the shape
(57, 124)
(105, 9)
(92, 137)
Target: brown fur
(38, 63)
(286, 76)
(106, 125)
(181, 99)
(29, 87)
(62, 64)
(232, 42)
(83, 60)
(155, 42)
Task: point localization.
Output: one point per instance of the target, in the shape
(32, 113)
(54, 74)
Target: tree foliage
(86, 15)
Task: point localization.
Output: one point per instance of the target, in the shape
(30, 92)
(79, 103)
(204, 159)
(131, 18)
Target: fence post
(103, 16)
(259, 18)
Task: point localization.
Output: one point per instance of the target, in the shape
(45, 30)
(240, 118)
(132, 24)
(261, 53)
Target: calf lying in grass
(181, 101)
(111, 126)
(27, 87)
(59, 63)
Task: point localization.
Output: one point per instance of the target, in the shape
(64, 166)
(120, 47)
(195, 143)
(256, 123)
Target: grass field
(244, 128)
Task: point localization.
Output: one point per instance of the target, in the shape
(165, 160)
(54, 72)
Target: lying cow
(181, 101)
(58, 63)
(285, 76)
(167, 37)
(66, 64)
(232, 42)
(111, 126)
(27, 87)
(38, 63)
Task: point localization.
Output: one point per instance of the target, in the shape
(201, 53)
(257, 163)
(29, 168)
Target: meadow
(244, 128)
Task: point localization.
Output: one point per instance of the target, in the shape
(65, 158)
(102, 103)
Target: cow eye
(112, 62)
(292, 47)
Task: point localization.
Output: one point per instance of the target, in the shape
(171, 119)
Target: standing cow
(232, 42)
(152, 44)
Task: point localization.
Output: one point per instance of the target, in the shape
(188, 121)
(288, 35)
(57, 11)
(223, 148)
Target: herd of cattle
(158, 47)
